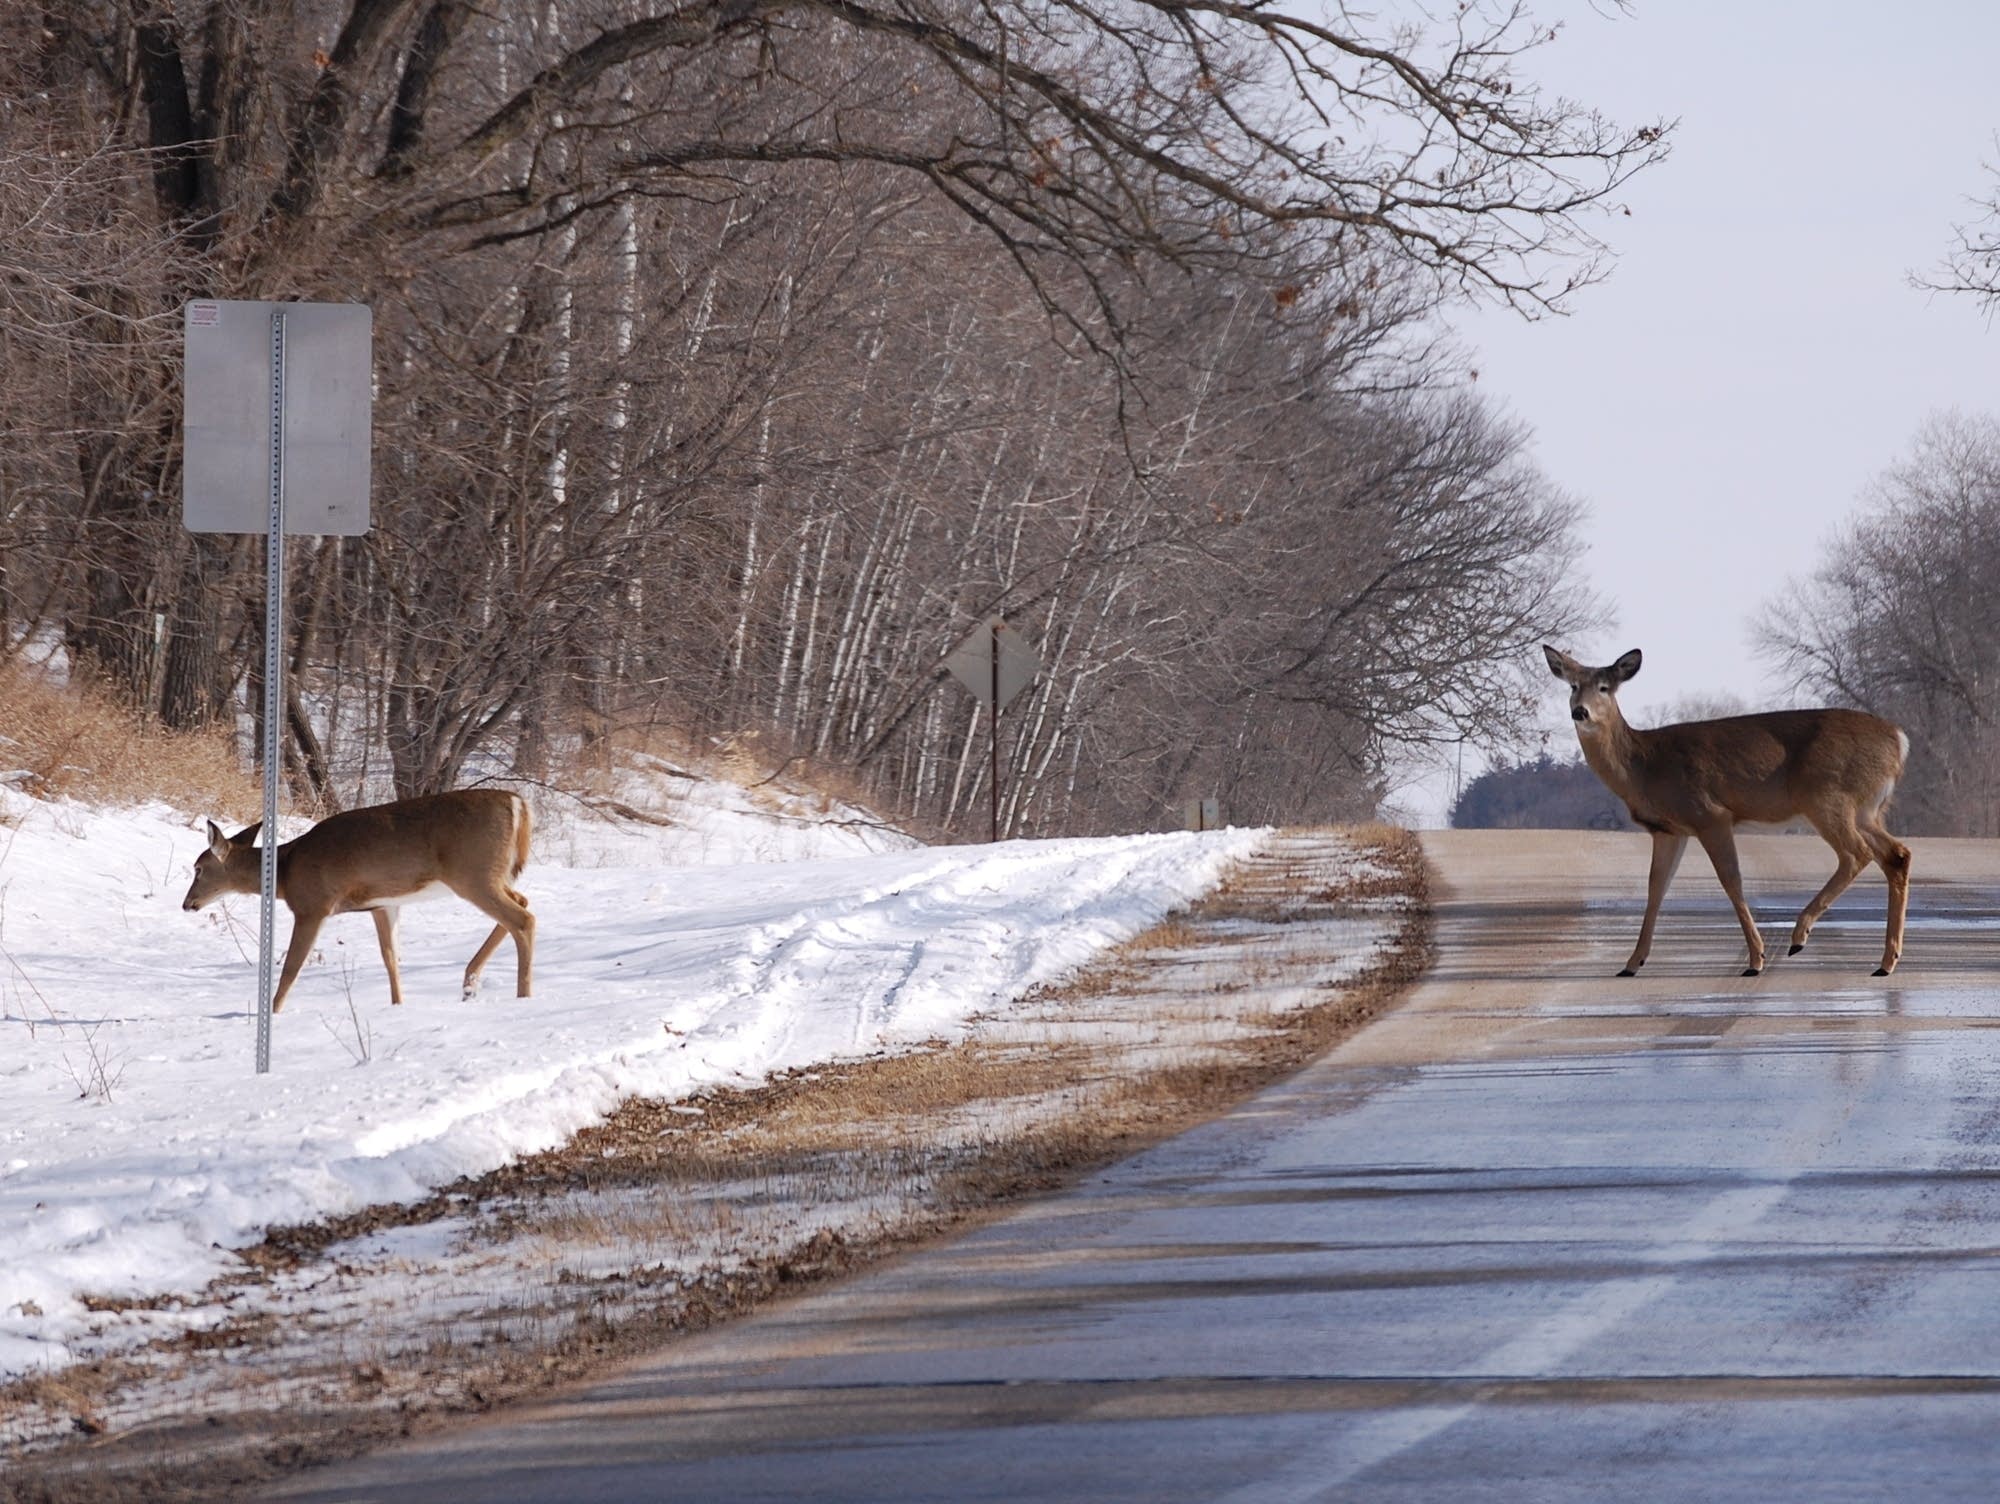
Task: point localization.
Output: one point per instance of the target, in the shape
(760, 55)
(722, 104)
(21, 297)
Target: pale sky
(1758, 353)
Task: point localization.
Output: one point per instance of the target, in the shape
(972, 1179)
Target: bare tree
(1972, 265)
(1902, 617)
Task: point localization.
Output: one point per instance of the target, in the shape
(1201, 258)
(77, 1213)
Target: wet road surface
(1540, 1235)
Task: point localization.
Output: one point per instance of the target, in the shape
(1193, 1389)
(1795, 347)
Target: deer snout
(1578, 713)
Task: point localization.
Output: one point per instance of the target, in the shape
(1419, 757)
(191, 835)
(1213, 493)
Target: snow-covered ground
(137, 1146)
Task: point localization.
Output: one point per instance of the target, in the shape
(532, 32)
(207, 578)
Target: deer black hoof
(1796, 949)
(1753, 971)
(1628, 972)
(1881, 971)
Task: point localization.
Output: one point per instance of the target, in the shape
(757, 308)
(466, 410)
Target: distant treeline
(1540, 795)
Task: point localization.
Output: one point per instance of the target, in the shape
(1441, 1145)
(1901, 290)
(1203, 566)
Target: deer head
(1593, 692)
(230, 865)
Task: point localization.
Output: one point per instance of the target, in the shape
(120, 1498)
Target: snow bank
(137, 1146)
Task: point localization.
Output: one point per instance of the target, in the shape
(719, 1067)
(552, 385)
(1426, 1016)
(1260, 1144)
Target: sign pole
(274, 698)
(993, 704)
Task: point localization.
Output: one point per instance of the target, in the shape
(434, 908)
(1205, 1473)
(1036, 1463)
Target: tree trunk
(194, 684)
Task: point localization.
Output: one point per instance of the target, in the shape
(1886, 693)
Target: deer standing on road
(473, 842)
(1837, 768)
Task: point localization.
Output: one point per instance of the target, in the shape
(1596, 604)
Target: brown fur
(472, 841)
(1700, 779)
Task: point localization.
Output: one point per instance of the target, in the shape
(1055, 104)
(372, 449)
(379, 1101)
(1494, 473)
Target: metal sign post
(993, 783)
(276, 424)
(274, 670)
(996, 663)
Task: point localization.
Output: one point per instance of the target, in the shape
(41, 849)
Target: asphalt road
(1541, 1235)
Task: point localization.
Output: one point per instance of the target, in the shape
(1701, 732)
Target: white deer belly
(415, 895)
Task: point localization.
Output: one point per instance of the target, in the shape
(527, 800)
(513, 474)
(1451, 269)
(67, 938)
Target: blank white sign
(227, 397)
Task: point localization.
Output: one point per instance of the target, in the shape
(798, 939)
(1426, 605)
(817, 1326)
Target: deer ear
(246, 836)
(1626, 666)
(218, 843)
(1561, 664)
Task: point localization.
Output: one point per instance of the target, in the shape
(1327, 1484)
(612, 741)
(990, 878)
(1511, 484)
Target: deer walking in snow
(1836, 768)
(472, 842)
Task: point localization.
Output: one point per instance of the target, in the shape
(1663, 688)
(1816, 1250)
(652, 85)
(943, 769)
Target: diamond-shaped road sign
(971, 662)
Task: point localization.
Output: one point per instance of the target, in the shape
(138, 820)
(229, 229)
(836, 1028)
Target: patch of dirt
(671, 1216)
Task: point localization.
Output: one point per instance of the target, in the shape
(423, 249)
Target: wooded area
(1902, 617)
(735, 357)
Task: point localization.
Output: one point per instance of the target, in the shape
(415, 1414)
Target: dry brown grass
(73, 1394)
(79, 742)
(759, 762)
(754, 761)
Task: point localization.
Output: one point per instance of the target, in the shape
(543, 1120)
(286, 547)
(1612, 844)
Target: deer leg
(510, 910)
(1668, 849)
(1894, 858)
(524, 948)
(1852, 854)
(305, 930)
(385, 935)
(478, 962)
(1719, 841)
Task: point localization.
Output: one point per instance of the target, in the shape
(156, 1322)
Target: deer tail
(523, 829)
